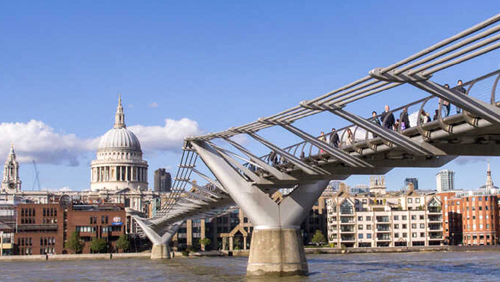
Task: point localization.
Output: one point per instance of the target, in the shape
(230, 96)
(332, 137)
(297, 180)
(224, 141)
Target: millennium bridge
(240, 177)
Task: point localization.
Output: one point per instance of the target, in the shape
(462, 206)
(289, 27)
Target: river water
(436, 266)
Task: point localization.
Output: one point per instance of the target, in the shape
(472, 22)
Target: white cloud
(37, 140)
(153, 105)
(168, 137)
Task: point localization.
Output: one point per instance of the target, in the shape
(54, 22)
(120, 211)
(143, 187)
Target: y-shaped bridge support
(161, 248)
(276, 247)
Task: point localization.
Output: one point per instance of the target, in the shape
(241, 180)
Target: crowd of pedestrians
(386, 120)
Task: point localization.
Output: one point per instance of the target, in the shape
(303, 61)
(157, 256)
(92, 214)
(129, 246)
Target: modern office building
(445, 180)
(413, 181)
(163, 180)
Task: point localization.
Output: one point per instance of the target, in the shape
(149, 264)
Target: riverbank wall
(402, 249)
(245, 253)
(76, 257)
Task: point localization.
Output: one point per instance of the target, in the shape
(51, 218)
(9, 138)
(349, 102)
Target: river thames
(436, 266)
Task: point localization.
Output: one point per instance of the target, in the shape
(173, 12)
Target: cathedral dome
(120, 138)
(119, 162)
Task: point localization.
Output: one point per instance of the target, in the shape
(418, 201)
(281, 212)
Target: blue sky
(210, 64)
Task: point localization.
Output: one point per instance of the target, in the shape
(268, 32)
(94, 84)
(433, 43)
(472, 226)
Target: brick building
(44, 228)
(472, 217)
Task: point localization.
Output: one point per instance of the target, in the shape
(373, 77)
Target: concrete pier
(160, 251)
(277, 252)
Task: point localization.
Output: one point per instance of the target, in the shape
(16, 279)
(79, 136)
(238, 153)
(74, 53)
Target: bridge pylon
(161, 248)
(277, 248)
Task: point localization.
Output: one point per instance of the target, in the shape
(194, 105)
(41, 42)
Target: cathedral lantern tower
(11, 182)
(119, 162)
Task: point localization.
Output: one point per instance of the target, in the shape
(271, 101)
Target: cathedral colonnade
(128, 173)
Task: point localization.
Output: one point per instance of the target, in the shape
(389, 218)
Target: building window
(421, 217)
(409, 200)
(360, 218)
(405, 235)
(368, 227)
(396, 235)
(368, 236)
(404, 217)
(360, 236)
(413, 217)
(360, 227)
(396, 226)
(422, 226)
(417, 200)
(405, 226)
(396, 217)
(422, 234)
(414, 234)
(414, 226)
(368, 218)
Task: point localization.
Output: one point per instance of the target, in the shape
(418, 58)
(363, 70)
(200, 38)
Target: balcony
(383, 237)
(383, 228)
(347, 238)
(434, 210)
(345, 219)
(434, 237)
(435, 227)
(347, 229)
(383, 219)
(435, 219)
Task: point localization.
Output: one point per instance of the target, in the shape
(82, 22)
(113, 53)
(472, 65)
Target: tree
(205, 242)
(123, 243)
(74, 243)
(98, 245)
(318, 238)
(236, 243)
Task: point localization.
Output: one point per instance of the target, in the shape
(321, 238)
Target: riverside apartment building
(384, 219)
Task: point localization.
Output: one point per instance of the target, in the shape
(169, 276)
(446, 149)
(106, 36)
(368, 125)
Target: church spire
(489, 181)
(12, 153)
(119, 116)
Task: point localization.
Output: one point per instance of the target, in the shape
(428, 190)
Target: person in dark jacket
(446, 104)
(375, 120)
(460, 89)
(387, 118)
(405, 121)
(436, 115)
(334, 138)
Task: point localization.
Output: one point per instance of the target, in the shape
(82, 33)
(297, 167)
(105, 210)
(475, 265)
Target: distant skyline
(187, 68)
